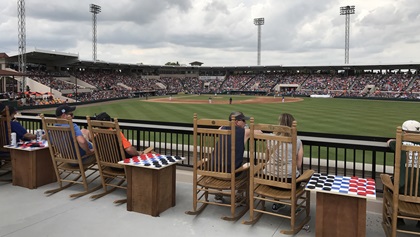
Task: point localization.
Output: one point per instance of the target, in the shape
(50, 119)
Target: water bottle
(38, 135)
(13, 139)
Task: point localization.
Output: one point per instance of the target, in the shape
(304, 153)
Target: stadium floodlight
(22, 43)
(95, 9)
(347, 11)
(259, 22)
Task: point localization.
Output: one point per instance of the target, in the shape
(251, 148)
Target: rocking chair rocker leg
(237, 217)
(76, 195)
(120, 201)
(297, 228)
(197, 211)
(56, 190)
(96, 196)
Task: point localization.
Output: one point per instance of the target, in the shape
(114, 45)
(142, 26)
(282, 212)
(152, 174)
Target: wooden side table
(150, 191)
(151, 185)
(338, 215)
(32, 168)
(341, 204)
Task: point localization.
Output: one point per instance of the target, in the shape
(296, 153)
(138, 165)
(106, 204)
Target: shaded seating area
(401, 201)
(5, 160)
(212, 172)
(70, 167)
(270, 180)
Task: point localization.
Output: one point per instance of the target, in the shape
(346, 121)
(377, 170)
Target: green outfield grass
(337, 116)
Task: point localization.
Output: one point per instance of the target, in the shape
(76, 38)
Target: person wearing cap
(242, 134)
(129, 150)
(65, 111)
(409, 126)
(21, 133)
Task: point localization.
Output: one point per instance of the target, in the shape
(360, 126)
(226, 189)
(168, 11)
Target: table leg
(128, 175)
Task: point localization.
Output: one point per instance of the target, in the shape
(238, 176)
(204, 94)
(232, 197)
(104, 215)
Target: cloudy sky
(219, 32)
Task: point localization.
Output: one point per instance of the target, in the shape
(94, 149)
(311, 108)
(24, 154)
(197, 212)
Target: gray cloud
(216, 32)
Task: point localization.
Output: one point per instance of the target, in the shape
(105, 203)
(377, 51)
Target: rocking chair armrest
(386, 180)
(305, 176)
(202, 161)
(259, 167)
(243, 168)
(148, 150)
(89, 153)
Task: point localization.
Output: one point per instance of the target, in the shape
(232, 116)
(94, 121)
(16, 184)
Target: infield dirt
(215, 100)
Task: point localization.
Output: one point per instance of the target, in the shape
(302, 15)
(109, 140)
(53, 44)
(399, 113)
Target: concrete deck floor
(25, 212)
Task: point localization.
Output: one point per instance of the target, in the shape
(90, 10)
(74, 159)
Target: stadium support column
(95, 9)
(21, 43)
(259, 22)
(75, 94)
(347, 11)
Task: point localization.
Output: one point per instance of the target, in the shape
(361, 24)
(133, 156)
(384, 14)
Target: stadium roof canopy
(47, 57)
(9, 73)
(53, 58)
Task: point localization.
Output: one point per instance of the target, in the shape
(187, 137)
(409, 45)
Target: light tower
(95, 9)
(347, 11)
(259, 22)
(21, 42)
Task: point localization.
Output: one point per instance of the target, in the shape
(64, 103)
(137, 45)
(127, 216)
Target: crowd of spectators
(52, 80)
(211, 86)
(193, 85)
(236, 82)
(262, 82)
(115, 84)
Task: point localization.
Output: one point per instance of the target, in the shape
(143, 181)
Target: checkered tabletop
(152, 161)
(342, 185)
(29, 145)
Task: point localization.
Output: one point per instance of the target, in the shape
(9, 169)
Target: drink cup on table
(38, 135)
(13, 139)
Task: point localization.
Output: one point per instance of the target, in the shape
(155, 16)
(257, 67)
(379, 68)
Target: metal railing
(325, 153)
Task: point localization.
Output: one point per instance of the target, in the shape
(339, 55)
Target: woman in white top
(271, 169)
(285, 119)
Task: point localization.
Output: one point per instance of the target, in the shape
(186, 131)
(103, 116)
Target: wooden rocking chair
(403, 202)
(212, 173)
(70, 167)
(270, 180)
(5, 160)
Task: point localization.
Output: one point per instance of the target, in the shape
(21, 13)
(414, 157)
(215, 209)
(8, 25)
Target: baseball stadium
(345, 114)
(127, 145)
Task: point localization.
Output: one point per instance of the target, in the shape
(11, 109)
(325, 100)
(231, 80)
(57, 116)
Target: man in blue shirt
(242, 134)
(65, 112)
(21, 133)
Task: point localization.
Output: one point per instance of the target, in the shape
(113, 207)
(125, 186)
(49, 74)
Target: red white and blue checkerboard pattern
(29, 145)
(343, 185)
(151, 160)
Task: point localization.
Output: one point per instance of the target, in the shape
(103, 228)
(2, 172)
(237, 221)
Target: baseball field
(377, 118)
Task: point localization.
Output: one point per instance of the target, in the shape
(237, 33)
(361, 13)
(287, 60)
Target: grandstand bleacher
(70, 79)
